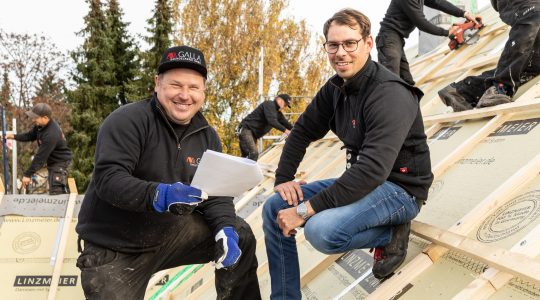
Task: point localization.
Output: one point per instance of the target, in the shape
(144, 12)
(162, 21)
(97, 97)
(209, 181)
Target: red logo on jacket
(193, 161)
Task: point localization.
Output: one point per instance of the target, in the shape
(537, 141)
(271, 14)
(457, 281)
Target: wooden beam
(492, 279)
(495, 199)
(513, 263)
(63, 239)
(479, 113)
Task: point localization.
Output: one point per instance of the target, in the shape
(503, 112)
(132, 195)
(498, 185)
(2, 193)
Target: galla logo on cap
(182, 57)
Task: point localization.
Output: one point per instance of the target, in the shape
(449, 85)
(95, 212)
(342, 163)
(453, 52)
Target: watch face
(301, 210)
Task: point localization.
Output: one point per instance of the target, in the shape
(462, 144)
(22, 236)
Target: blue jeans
(366, 223)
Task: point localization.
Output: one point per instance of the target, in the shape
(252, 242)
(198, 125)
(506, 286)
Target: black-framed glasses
(349, 46)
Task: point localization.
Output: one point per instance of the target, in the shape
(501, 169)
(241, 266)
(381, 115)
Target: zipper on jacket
(178, 141)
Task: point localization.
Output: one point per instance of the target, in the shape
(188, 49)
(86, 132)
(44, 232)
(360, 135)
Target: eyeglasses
(349, 46)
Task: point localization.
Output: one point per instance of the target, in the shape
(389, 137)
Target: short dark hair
(350, 17)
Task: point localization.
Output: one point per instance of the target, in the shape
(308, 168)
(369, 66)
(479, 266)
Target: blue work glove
(178, 198)
(227, 250)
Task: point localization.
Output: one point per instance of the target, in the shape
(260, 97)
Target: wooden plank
(479, 113)
(513, 263)
(495, 199)
(433, 129)
(63, 239)
(493, 279)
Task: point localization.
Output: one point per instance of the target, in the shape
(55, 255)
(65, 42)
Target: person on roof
(260, 121)
(388, 171)
(140, 215)
(519, 61)
(401, 18)
(53, 150)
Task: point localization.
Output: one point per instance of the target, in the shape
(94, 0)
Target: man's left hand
(472, 18)
(227, 251)
(288, 220)
(26, 181)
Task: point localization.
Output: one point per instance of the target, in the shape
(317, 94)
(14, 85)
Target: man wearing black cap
(266, 116)
(140, 215)
(53, 150)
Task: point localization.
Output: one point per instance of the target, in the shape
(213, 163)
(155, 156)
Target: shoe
(391, 256)
(495, 95)
(450, 97)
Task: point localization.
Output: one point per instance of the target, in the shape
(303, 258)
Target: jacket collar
(353, 85)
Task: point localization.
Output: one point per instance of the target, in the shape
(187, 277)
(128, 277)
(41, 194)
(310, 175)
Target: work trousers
(248, 144)
(390, 54)
(57, 178)
(519, 62)
(109, 274)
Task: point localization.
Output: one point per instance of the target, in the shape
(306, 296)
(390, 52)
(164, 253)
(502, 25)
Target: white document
(220, 174)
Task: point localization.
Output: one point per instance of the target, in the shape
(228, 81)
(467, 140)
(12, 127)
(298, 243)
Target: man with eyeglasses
(388, 171)
(401, 18)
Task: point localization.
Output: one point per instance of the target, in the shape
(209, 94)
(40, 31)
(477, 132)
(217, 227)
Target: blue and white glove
(178, 198)
(227, 250)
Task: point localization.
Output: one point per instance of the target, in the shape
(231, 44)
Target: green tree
(96, 94)
(231, 34)
(126, 64)
(160, 29)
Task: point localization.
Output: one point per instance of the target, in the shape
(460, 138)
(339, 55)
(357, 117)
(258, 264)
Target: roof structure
(477, 237)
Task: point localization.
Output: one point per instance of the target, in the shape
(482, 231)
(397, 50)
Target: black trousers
(519, 62)
(108, 274)
(57, 178)
(248, 144)
(390, 54)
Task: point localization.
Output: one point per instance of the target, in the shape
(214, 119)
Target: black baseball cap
(39, 110)
(182, 57)
(285, 98)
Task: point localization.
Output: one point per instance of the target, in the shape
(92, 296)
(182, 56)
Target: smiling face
(347, 64)
(181, 93)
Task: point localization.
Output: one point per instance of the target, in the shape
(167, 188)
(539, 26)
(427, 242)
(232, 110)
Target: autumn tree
(231, 34)
(160, 28)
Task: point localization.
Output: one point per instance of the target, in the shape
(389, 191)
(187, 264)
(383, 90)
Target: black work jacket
(137, 148)
(265, 117)
(403, 16)
(377, 117)
(53, 148)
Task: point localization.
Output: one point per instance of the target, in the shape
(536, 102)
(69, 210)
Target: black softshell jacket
(403, 16)
(377, 117)
(52, 144)
(265, 117)
(136, 150)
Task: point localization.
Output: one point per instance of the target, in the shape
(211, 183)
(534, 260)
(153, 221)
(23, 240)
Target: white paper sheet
(220, 174)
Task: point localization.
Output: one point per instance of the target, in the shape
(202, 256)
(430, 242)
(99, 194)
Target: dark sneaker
(450, 97)
(391, 256)
(495, 95)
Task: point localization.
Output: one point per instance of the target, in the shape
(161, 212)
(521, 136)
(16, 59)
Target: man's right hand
(26, 181)
(290, 191)
(9, 136)
(177, 198)
(452, 31)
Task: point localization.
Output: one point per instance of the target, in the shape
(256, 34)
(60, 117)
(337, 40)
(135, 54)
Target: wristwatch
(301, 210)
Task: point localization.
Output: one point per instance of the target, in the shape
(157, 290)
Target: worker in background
(52, 151)
(259, 122)
(401, 18)
(519, 61)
